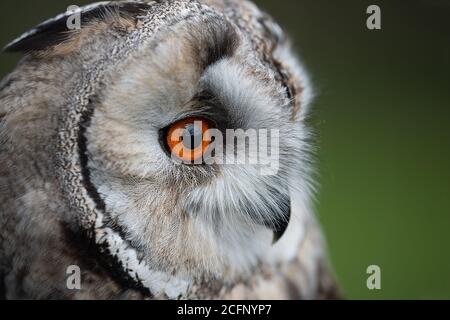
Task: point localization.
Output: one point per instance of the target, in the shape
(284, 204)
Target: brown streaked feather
(54, 32)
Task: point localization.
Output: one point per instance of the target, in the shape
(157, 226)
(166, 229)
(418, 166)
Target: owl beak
(280, 228)
(283, 215)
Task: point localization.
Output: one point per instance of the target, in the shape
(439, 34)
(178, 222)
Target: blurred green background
(382, 118)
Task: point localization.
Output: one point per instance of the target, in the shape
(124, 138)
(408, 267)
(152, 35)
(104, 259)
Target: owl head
(150, 114)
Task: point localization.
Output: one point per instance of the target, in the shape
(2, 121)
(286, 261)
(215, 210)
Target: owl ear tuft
(55, 31)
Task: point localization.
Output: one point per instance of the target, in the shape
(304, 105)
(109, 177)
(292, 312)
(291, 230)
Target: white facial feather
(220, 224)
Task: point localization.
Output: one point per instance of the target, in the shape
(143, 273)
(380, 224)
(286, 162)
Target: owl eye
(188, 139)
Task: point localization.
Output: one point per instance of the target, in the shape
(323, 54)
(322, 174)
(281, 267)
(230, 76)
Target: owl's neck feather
(177, 285)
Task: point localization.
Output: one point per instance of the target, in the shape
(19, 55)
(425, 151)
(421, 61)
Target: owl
(104, 130)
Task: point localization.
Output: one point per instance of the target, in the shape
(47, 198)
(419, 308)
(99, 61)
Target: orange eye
(188, 139)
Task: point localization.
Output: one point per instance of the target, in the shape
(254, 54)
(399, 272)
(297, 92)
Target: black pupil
(192, 136)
